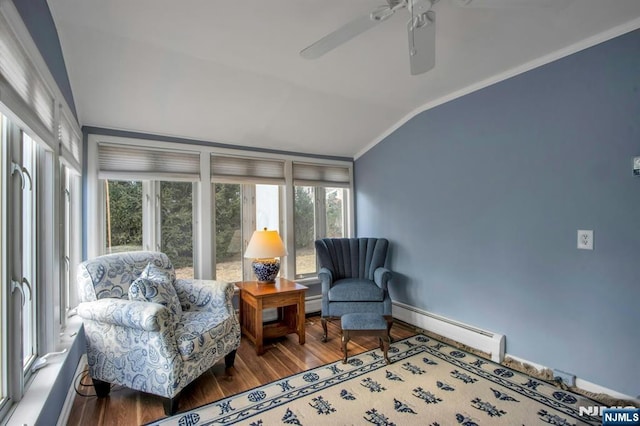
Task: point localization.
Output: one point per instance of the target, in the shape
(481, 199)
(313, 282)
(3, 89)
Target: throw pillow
(155, 285)
(158, 273)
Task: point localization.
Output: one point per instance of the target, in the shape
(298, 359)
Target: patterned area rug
(427, 383)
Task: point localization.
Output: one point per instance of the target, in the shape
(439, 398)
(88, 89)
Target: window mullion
(287, 197)
(156, 217)
(14, 262)
(75, 233)
(248, 225)
(47, 243)
(149, 203)
(65, 243)
(320, 212)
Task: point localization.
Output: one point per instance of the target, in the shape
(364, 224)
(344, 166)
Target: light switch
(585, 239)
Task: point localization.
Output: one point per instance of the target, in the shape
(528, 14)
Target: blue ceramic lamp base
(266, 270)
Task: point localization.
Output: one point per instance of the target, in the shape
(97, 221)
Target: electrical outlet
(564, 377)
(585, 239)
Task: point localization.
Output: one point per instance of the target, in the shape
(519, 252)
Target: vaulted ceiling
(230, 71)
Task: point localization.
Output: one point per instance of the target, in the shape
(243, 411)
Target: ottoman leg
(384, 343)
(345, 340)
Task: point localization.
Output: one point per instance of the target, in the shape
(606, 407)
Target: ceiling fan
(421, 27)
(421, 30)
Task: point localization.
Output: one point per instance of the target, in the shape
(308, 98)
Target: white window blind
(246, 169)
(71, 141)
(124, 162)
(22, 77)
(306, 174)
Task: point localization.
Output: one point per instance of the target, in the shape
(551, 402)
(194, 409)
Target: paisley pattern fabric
(198, 331)
(145, 346)
(112, 274)
(155, 272)
(156, 285)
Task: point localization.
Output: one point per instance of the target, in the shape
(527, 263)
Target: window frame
(320, 220)
(204, 203)
(32, 104)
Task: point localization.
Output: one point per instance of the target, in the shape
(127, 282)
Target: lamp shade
(265, 244)
(264, 247)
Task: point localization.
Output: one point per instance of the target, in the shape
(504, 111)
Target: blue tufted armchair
(148, 331)
(353, 276)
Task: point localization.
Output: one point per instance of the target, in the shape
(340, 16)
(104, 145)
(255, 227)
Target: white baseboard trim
(483, 340)
(63, 418)
(580, 383)
(313, 304)
(535, 365)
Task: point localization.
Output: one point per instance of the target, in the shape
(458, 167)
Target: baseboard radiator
(485, 341)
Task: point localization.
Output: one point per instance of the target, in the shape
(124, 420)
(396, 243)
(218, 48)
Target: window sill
(40, 388)
(308, 281)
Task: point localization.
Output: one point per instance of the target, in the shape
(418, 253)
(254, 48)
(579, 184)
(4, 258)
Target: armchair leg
(102, 388)
(389, 320)
(170, 405)
(324, 329)
(229, 359)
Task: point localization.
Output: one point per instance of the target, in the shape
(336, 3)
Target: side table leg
(301, 320)
(259, 328)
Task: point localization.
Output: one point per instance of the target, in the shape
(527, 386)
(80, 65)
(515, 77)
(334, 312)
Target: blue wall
(37, 17)
(482, 197)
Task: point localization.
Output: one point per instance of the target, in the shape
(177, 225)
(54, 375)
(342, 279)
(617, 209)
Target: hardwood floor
(283, 357)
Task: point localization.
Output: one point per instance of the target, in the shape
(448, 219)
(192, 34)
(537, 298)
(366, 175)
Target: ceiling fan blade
(421, 30)
(339, 36)
(512, 4)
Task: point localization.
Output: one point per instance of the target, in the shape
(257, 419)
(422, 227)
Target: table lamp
(264, 248)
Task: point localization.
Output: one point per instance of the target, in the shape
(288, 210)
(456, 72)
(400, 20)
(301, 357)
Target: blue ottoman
(365, 325)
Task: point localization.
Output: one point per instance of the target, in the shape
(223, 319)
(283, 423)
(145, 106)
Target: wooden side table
(285, 295)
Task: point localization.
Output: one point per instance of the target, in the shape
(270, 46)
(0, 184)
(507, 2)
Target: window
(151, 215)
(336, 219)
(321, 209)
(268, 207)
(28, 248)
(176, 225)
(228, 231)
(123, 216)
(239, 210)
(246, 198)
(29, 238)
(200, 204)
(71, 239)
(320, 212)
(148, 201)
(40, 142)
(305, 231)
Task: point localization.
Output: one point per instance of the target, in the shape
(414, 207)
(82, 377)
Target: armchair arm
(205, 295)
(139, 315)
(326, 278)
(381, 276)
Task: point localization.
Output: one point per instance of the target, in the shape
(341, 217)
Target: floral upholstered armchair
(148, 331)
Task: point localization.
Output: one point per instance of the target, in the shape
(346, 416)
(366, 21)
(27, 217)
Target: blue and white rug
(427, 383)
